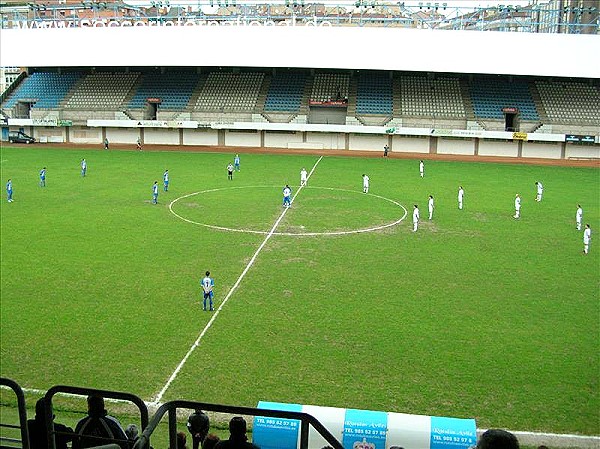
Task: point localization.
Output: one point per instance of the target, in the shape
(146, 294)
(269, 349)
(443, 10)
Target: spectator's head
(132, 432)
(497, 439)
(211, 441)
(96, 406)
(40, 409)
(198, 424)
(237, 428)
(181, 439)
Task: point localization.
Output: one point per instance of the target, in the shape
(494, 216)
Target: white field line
(173, 376)
(557, 438)
(292, 234)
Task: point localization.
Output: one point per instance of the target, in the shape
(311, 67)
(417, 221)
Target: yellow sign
(519, 136)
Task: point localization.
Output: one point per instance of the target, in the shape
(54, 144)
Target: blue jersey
(155, 189)
(9, 186)
(207, 285)
(42, 174)
(236, 160)
(166, 177)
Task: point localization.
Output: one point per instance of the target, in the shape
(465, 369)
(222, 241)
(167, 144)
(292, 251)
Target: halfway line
(160, 395)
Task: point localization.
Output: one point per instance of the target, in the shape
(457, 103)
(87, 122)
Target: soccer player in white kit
(540, 191)
(579, 217)
(517, 206)
(587, 236)
(461, 195)
(303, 177)
(365, 183)
(430, 206)
(421, 168)
(415, 218)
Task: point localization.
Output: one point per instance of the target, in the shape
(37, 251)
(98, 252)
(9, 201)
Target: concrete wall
(50, 135)
(549, 150)
(123, 135)
(202, 136)
(280, 140)
(328, 141)
(161, 136)
(402, 144)
(79, 134)
(582, 151)
(373, 142)
(242, 139)
(494, 148)
(456, 146)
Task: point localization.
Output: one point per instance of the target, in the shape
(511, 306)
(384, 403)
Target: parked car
(19, 137)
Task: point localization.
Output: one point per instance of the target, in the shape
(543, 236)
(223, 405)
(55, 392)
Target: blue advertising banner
(452, 433)
(364, 429)
(276, 433)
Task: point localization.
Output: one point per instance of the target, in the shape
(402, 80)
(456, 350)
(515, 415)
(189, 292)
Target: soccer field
(475, 315)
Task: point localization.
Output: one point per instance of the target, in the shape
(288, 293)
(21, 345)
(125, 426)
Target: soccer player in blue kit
(9, 191)
(236, 162)
(155, 193)
(43, 177)
(207, 284)
(166, 180)
(287, 193)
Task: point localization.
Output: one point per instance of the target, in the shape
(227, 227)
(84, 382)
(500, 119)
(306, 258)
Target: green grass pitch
(475, 315)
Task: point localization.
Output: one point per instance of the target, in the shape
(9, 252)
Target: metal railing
(170, 408)
(82, 391)
(22, 415)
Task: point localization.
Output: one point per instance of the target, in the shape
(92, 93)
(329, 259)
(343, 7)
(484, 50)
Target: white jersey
(587, 235)
(421, 167)
(430, 204)
(461, 194)
(415, 215)
(287, 192)
(540, 188)
(518, 203)
(366, 181)
(303, 175)
(579, 214)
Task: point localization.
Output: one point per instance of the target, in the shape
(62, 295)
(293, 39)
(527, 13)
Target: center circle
(322, 233)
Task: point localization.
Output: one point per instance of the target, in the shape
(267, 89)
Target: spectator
(497, 439)
(132, 432)
(210, 441)
(98, 424)
(237, 438)
(198, 425)
(38, 438)
(181, 440)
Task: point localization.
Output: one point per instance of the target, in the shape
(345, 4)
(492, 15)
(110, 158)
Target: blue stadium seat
(49, 88)
(490, 95)
(285, 92)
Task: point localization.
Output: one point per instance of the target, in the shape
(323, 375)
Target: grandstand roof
(562, 55)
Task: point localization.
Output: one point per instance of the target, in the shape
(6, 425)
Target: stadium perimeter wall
(307, 140)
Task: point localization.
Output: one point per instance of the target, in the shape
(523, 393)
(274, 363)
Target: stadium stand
(425, 97)
(104, 90)
(330, 86)
(569, 101)
(173, 89)
(49, 89)
(285, 92)
(148, 424)
(374, 94)
(230, 92)
(490, 95)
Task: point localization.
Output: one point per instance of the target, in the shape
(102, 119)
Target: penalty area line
(173, 376)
